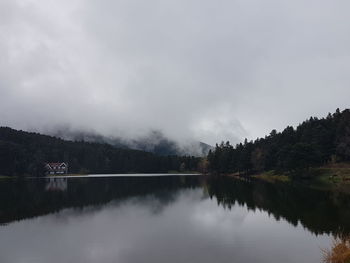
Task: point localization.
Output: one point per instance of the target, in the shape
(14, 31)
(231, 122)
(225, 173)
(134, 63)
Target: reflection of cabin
(56, 184)
(56, 168)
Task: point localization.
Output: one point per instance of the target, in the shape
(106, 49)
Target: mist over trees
(154, 141)
(24, 153)
(314, 142)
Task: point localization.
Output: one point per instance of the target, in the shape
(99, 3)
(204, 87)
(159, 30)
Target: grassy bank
(5, 177)
(327, 178)
(334, 174)
(329, 174)
(271, 176)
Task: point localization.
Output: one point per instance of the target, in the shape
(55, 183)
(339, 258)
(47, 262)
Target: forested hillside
(314, 142)
(23, 153)
(154, 142)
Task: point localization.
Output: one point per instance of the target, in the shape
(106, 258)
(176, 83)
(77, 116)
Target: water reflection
(320, 211)
(56, 184)
(174, 219)
(30, 198)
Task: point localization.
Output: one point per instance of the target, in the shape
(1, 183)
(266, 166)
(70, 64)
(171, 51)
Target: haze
(206, 70)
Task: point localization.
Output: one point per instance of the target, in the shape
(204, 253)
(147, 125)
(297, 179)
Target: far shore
(76, 175)
(119, 175)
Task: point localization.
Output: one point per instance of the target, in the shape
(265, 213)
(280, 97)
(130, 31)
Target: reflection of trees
(319, 211)
(29, 198)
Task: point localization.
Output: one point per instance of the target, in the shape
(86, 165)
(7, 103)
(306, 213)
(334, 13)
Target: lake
(158, 219)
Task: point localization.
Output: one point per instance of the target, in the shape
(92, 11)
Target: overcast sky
(203, 69)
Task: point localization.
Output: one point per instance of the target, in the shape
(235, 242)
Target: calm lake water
(166, 219)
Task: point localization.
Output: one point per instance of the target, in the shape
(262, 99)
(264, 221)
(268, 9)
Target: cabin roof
(53, 165)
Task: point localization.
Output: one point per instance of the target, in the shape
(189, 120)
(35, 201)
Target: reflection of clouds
(209, 214)
(189, 229)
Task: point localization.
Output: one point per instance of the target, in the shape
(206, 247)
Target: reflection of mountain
(319, 211)
(30, 198)
(154, 142)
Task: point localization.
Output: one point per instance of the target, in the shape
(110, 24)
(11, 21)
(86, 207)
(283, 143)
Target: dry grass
(339, 253)
(272, 177)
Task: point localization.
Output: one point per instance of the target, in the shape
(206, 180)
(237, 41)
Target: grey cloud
(207, 70)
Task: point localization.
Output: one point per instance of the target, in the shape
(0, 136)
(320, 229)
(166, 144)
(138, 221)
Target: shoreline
(118, 175)
(331, 174)
(102, 175)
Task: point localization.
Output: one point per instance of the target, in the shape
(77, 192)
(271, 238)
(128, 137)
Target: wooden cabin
(56, 168)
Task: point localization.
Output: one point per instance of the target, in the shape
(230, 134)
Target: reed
(339, 252)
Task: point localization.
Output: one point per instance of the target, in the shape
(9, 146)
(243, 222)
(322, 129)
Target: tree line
(314, 142)
(25, 153)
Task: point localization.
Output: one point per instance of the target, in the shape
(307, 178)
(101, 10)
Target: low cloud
(203, 70)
